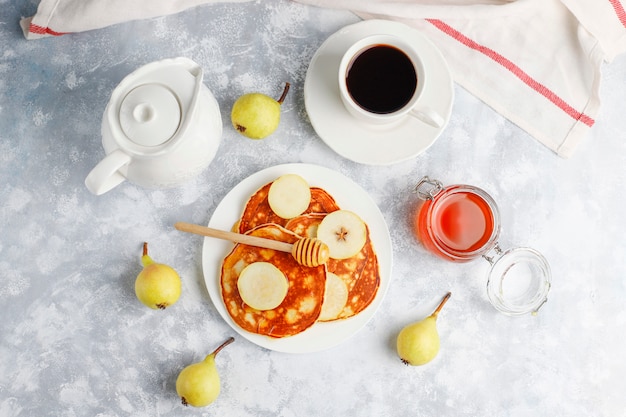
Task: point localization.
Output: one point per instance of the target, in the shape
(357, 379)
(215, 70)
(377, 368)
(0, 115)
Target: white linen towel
(59, 17)
(536, 62)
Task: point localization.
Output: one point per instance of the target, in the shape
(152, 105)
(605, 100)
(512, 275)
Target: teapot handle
(105, 176)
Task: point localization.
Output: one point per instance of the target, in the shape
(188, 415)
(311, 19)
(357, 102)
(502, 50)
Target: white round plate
(370, 144)
(348, 195)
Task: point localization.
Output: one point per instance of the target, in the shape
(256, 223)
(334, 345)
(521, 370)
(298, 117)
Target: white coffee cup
(382, 80)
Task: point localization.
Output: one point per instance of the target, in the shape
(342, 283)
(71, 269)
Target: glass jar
(460, 223)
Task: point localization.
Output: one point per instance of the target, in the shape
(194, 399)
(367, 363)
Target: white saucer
(369, 144)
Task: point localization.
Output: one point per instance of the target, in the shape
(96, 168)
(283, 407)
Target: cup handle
(105, 176)
(428, 116)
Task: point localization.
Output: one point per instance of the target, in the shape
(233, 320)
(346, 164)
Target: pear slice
(344, 232)
(289, 196)
(262, 286)
(335, 297)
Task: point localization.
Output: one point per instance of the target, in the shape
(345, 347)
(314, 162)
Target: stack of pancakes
(338, 290)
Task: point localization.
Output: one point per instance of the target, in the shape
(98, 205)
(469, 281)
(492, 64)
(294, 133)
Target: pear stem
(285, 91)
(441, 304)
(223, 345)
(145, 259)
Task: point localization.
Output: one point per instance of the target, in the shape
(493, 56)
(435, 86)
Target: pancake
(303, 303)
(360, 273)
(305, 225)
(257, 210)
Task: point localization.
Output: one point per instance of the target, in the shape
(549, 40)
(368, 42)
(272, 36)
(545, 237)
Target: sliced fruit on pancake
(335, 297)
(344, 233)
(258, 211)
(262, 286)
(302, 304)
(289, 196)
(359, 273)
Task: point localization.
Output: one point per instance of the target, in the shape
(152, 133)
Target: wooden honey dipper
(306, 251)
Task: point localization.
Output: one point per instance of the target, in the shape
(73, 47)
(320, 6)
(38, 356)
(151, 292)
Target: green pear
(198, 384)
(418, 343)
(157, 285)
(256, 115)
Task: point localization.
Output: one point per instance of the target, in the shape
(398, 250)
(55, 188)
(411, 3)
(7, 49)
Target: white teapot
(162, 126)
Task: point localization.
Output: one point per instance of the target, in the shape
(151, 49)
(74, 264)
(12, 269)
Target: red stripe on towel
(619, 10)
(40, 30)
(515, 70)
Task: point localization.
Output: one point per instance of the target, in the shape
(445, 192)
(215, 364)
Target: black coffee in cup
(381, 79)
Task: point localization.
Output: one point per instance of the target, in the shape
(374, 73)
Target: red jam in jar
(458, 223)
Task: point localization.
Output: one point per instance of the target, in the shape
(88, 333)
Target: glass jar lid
(519, 281)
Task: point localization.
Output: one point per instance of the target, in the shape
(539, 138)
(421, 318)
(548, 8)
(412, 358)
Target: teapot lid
(150, 114)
